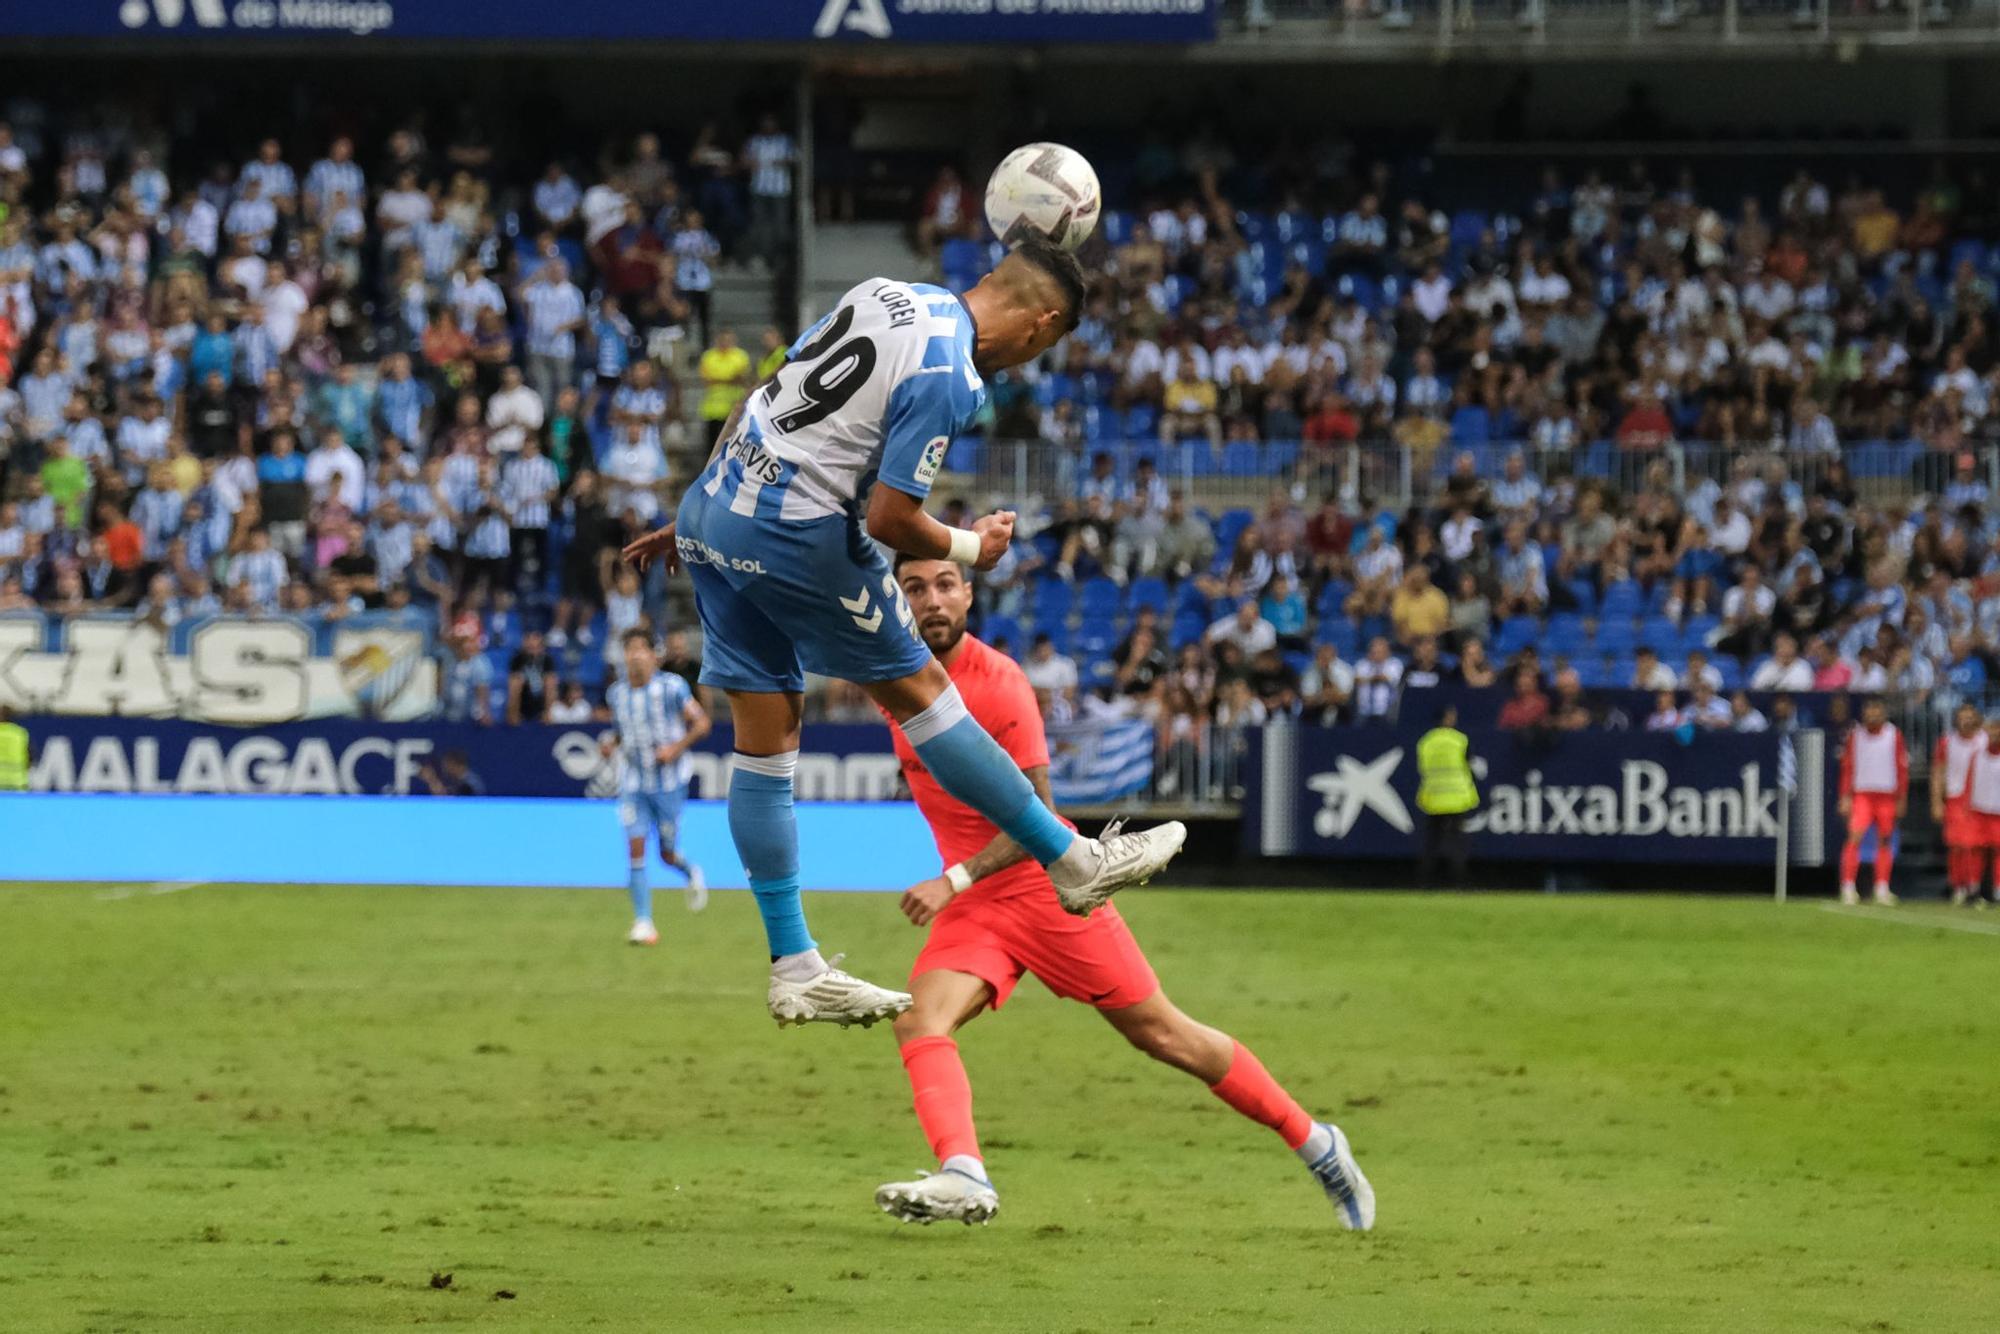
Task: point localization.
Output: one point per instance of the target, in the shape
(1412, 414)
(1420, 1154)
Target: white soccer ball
(1047, 189)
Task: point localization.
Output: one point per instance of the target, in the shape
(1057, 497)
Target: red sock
(1249, 1088)
(1884, 861)
(1850, 863)
(943, 1096)
(1961, 867)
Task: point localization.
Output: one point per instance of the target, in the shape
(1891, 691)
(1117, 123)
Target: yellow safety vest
(1444, 778)
(13, 757)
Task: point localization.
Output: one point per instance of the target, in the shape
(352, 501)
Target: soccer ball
(1043, 188)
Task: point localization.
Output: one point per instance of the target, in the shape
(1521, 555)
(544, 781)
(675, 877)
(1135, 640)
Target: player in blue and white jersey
(841, 446)
(658, 720)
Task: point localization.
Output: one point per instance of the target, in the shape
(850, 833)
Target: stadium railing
(1021, 471)
(1448, 22)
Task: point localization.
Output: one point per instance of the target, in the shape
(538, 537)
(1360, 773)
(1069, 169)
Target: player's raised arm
(897, 519)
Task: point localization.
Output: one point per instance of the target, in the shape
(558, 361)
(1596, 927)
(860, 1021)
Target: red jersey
(999, 698)
(1954, 760)
(1875, 763)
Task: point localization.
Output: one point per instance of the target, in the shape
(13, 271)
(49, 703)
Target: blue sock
(970, 765)
(767, 839)
(641, 891)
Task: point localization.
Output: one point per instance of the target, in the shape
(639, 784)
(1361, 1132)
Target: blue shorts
(779, 598)
(661, 810)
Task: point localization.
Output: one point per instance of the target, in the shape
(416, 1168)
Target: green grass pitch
(265, 1109)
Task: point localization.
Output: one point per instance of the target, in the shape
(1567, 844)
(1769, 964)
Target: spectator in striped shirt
(488, 540)
(555, 313)
(270, 173)
(157, 511)
(252, 217)
(612, 338)
(768, 158)
(261, 572)
(403, 403)
(334, 175)
(528, 489)
(695, 250)
(556, 197)
(641, 402)
(467, 687)
(392, 541)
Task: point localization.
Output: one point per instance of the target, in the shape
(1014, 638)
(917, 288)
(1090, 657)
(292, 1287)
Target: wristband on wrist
(958, 878)
(964, 546)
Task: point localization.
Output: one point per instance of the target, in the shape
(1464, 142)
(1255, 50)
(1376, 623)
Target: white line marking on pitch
(157, 887)
(1894, 918)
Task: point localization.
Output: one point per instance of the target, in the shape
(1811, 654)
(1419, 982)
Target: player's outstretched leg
(804, 987)
(641, 894)
(1234, 1074)
(959, 1188)
(970, 765)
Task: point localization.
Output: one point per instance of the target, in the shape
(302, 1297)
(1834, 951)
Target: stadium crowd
(446, 385)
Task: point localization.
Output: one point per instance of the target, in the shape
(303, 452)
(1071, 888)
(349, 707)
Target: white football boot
(1885, 896)
(697, 888)
(833, 997)
(1849, 895)
(939, 1196)
(1123, 860)
(643, 933)
(1337, 1172)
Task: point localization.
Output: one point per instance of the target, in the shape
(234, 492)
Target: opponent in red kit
(1874, 794)
(1951, 803)
(993, 916)
(1982, 802)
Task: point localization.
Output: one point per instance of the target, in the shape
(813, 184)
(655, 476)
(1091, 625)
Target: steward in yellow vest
(1445, 793)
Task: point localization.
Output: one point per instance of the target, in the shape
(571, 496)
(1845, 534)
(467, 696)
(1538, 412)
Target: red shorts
(1963, 826)
(1873, 809)
(1092, 959)
(1983, 830)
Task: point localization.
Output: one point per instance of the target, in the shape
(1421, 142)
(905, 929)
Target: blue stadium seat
(1333, 598)
(1149, 592)
(998, 627)
(1098, 672)
(1660, 635)
(1566, 634)
(1616, 637)
(1097, 638)
(961, 255)
(1621, 601)
(1342, 633)
(1117, 225)
(1594, 672)
(1254, 226)
(1280, 457)
(1229, 527)
(1054, 600)
(1732, 671)
(1620, 671)
(1240, 459)
(1585, 594)
(1189, 598)
(1695, 634)
(1102, 600)
(1193, 458)
(1188, 629)
(1467, 226)
(1142, 422)
(1516, 633)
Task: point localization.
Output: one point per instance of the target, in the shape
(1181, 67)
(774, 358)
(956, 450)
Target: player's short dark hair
(904, 558)
(638, 632)
(1060, 265)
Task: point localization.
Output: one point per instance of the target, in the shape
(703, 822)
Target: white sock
(1316, 1146)
(1079, 863)
(966, 1163)
(801, 967)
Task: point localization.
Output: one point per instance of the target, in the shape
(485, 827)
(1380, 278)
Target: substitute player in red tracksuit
(1874, 794)
(1951, 802)
(994, 915)
(1982, 799)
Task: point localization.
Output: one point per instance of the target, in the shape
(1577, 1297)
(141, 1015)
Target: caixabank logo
(355, 18)
(1643, 802)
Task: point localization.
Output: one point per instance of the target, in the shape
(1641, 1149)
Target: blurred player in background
(994, 916)
(841, 446)
(1982, 800)
(658, 720)
(1874, 796)
(1951, 802)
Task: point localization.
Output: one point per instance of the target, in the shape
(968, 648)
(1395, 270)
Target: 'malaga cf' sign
(224, 670)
